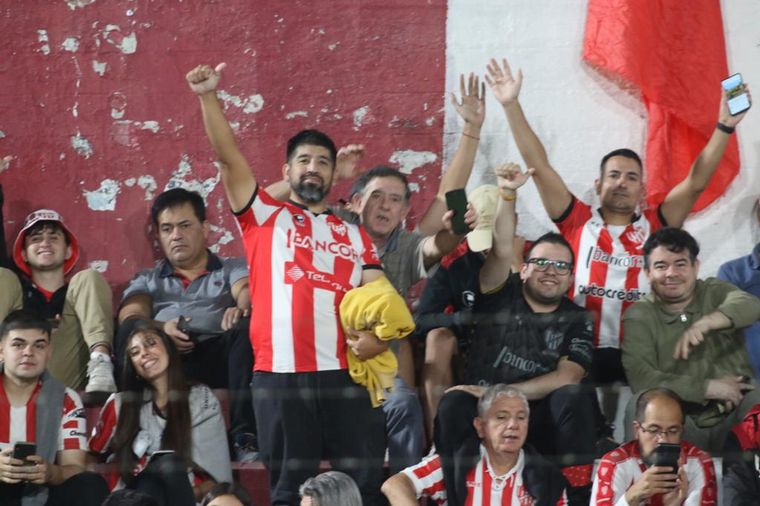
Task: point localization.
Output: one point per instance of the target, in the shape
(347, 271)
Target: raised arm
(681, 198)
(496, 268)
(445, 240)
(472, 109)
(506, 89)
(239, 182)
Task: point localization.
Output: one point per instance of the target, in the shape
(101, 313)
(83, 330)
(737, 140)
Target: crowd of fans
(512, 337)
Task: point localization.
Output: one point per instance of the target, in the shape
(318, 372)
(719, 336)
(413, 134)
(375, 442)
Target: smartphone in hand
(738, 99)
(666, 455)
(22, 450)
(456, 200)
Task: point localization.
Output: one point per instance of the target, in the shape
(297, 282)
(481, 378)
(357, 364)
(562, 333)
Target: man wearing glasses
(687, 335)
(626, 475)
(526, 333)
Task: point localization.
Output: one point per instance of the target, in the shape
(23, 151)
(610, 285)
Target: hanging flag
(672, 54)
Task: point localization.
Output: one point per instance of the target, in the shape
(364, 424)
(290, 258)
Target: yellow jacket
(377, 307)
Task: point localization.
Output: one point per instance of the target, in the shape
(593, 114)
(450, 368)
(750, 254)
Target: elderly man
(687, 336)
(627, 475)
(505, 470)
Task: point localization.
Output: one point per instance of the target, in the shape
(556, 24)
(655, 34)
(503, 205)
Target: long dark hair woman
(167, 437)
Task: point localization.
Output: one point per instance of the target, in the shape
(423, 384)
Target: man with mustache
(628, 474)
(380, 200)
(303, 259)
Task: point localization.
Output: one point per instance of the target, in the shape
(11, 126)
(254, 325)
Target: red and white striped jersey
(609, 266)
(482, 488)
(301, 265)
(19, 423)
(622, 467)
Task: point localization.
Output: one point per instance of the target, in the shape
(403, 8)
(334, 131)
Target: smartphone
(24, 449)
(456, 200)
(738, 99)
(183, 325)
(666, 455)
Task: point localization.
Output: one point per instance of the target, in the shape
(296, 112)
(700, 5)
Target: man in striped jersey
(626, 476)
(609, 267)
(36, 408)
(302, 260)
(505, 473)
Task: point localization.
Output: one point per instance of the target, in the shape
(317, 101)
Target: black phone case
(22, 450)
(666, 455)
(456, 200)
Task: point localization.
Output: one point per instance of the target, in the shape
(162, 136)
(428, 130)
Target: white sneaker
(100, 376)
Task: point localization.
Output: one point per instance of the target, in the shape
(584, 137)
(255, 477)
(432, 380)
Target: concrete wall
(95, 110)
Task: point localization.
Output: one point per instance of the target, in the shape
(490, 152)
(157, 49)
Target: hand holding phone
(738, 98)
(666, 455)
(23, 450)
(456, 200)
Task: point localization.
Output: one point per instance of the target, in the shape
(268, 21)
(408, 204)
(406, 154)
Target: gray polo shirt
(205, 299)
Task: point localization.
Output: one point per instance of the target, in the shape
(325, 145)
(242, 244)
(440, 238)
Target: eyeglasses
(542, 264)
(654, 431)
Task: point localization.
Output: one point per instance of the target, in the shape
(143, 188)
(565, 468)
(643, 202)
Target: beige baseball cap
(484, 199)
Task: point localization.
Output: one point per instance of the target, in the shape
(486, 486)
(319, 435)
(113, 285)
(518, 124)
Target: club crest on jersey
(299, 220)
(338, 228)
(468, 298)
(637, 235)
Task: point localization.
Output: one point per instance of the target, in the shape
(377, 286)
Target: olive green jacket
(651, 333)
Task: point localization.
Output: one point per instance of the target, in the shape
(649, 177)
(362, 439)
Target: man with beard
(526, 333)
(302, 259)
(211, 294)
(626, 475)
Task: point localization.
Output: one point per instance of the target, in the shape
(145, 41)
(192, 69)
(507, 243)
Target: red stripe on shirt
(632, 275)
(257, 238)
(104, 428)
(342, 270)
(31, 414)
(471, 476)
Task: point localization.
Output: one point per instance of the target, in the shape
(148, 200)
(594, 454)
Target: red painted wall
(94, 90)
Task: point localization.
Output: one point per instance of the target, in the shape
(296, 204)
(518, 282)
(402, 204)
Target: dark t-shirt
(450, 293)
(35, 300)
(510, 343)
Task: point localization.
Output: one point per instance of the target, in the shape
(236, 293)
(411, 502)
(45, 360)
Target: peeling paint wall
(97, 114)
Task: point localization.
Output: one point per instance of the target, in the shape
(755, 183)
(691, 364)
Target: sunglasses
(542, 264)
